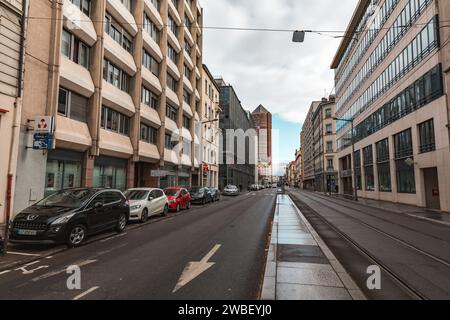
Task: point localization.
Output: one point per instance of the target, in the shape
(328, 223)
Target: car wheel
(166, 210)
(76, 236)
(144, 216)
(121, 223)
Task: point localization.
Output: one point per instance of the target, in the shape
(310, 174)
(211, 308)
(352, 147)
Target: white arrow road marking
(194, 269)
(78, 297)
(55, 273)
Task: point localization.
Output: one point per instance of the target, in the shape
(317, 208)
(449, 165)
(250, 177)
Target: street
(413, 253)
(227, 239)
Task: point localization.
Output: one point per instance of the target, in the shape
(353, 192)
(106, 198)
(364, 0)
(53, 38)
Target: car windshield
(136, 194)
(171, 192)
(67, 198)
(196, 190)
(231, 187)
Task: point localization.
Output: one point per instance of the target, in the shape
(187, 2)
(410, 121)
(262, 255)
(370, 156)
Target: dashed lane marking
(82, 295)
(55, 273)
(114, 237)
(5, 272)
(24, 254)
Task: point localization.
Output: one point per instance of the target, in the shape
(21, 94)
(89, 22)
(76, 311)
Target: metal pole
(354, 164)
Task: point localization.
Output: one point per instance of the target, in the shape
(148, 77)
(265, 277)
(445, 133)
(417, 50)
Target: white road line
(78, 297)
(55, 273)
(27, 265)
(114, 237)
(24, 254)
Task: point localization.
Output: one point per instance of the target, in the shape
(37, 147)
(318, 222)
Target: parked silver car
(231, 190)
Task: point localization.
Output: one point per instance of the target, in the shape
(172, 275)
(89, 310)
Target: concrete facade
(308, 148)
(12, 29)
(210, 126)
(125, 95)
(404, 70)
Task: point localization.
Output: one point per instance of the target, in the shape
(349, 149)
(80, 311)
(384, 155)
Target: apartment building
(391, 73)
(239, 145)
(12, 28)
(122, 79)
(298, 168)
(210, 126)
(262, 119)
(324, 137)
(308, 145)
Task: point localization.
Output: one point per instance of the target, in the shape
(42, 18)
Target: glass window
(61, 174)
(63, 101)
(427, 137)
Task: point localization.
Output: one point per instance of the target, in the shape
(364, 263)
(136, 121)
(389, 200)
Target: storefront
(184, 177)
(170, 177)
(110, 173)
(64, 170)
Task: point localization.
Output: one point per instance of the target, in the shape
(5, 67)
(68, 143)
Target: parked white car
(146, 202)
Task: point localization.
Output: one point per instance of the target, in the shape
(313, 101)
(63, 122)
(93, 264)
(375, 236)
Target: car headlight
(62, 220)
(136, 207)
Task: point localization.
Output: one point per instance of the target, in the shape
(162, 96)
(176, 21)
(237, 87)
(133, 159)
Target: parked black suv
(69, 216)
(200, 195)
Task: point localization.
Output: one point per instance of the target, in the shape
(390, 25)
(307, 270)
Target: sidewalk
(299, 264)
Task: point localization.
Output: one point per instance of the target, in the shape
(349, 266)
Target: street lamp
(355, 192)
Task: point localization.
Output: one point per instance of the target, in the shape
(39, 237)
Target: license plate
(27, 232)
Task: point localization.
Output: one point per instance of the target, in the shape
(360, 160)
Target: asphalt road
(414, 254)
(227, 239)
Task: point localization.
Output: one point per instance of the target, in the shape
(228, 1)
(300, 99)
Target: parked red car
(179, 198)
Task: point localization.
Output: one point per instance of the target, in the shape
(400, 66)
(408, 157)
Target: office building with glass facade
(391, 73)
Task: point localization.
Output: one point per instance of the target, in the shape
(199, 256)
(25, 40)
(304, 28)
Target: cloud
(266, 67)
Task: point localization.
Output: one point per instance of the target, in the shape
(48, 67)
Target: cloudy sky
(266, 67)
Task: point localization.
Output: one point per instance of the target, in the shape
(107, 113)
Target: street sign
(44, 124)
(159, 173)
(42, 141)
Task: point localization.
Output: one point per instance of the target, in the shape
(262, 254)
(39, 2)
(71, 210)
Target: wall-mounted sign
(159, 173)
(44, 124)
(43, 141)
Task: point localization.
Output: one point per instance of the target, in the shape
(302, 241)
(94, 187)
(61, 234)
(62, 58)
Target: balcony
(150, 80)
(197, 95)
(115, 145)
(150, 115)
(188, 60)
(152, 47)
(171, 126)
(152, 12)
(187, 84)
(117, 99)
(174, 13)
(188, 36)
(171, 156)
(173, 40)
(187, 109)
(72, 134)
(119, 56)
(123, 16)
(148, 151)
(76, 78)
(172, 97)
(198, 73)
(78, 23)
(188, 11)
(173, 69)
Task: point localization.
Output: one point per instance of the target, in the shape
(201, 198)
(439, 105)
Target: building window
(404, 162)
(149, 98)
(172, 26)
(186, 96)
(149, 134)
(74, 49)
(83, 5)
(384, 166)
(114, 121)
(187, 72)
(187, 147)
(186, 122)
(72, 105)
(329, 129)
(172, 83)
(330, 165)
(127, 4)
(329, 146)
(187, 47)
(426, 133)
(357, 159)
(150, 63)
(368, 168)
(171, 112)
(115, 76)
(168, 143)
(151, 28)
(156, 4)
(172, 54)
(118, 33)
(62, 174)
(110, 176)
(328, 113)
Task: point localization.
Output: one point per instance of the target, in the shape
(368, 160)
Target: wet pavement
(300, 266)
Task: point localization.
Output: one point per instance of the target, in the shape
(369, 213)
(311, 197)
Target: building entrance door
(431, 180)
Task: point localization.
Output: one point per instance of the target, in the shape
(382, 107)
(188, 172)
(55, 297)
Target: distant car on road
(215, 194)
(69, 216)
(231, 190)
(147, 202)
(179, 198)
(254, 187)
(200, 195)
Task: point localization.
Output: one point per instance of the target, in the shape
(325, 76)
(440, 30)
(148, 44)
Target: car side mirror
(150, 198)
